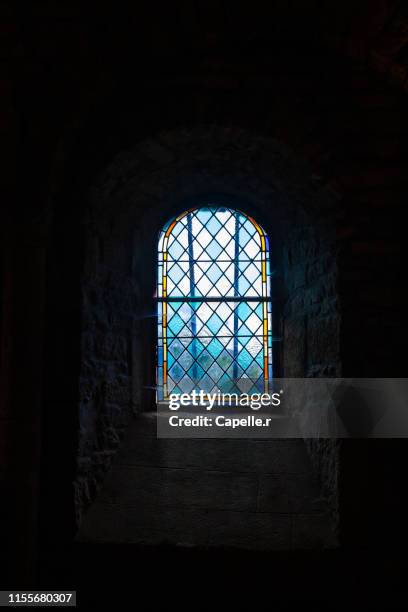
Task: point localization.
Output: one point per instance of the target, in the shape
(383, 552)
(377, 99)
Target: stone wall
(129, 203)
(311, 332)
(327, 78)
(106, 376)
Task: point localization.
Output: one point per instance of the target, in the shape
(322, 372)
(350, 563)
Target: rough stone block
(186, 527)
(289, 493)
(181, 487)
(322, 336)
(313, 531)
(252, 456)
(295, 346)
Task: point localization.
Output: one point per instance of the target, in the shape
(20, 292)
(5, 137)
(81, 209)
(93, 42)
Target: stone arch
(128, 204)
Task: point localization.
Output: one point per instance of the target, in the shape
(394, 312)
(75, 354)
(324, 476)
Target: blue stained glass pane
(213, 225)
(259, 311)
(258, 387)
(185, 312)
(214, 273)
(206, 383)
(244, 286)
(185, 360)
(259, 358)
(246, 223)
(215, 348)
(235, 371)
(243, 264)
(215, 371)
(195, 372)
(176, 372)
(176, 348)
(175, 324)
(196, 347)
(243, 342)
(175, 273)
(244, 359)
(254, 345)
(252, 273)
(244, 238)
(225, 359)
(204, 359)
(178, 227)
(225, 384)
(203, 215)
(175, 250)
(213, 249)
(186, 384)
(243, 310)
(214, 323)
(254, 371)
(244, 331)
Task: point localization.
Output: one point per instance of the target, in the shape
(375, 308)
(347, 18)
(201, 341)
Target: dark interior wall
(22, 361)
(111, 353)
(130, 202)
(80, 85)
(312, 328)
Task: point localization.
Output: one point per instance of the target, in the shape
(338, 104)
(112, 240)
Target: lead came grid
(211, 253)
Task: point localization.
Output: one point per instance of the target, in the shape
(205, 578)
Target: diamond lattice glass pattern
(214, 310)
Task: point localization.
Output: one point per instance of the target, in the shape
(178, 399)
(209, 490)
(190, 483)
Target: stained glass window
(214, 304)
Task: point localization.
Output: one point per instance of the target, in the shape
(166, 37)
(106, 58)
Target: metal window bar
(236, 276)
(221, 298)
(192, 288)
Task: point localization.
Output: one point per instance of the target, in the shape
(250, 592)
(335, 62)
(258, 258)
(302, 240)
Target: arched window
(214, 304)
